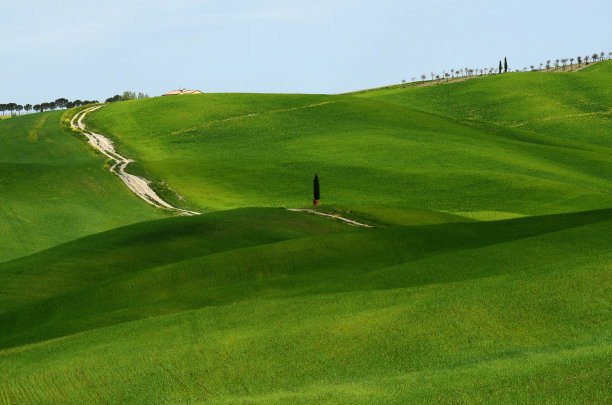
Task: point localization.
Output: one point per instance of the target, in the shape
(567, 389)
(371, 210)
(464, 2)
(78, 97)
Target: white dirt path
(140, 186)
(337, 217)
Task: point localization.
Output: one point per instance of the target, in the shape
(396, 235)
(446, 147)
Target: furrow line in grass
(561, 117)
(239, 117)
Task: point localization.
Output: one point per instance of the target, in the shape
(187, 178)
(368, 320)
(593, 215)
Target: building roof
(181, 92)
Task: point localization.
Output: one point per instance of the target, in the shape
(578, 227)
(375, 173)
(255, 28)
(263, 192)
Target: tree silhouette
(316, 190)
(586, 59)
(500, 67)
(61, 102)
(579, 60)
(113, 99)
(571, 62)
(423, 77)
(505, 65)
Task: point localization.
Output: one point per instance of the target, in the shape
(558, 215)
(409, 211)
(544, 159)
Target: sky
(93, 50)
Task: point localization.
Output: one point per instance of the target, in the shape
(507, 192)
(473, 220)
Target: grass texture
(317, 311)
(486, 278)
(454, 148)
(55, 189)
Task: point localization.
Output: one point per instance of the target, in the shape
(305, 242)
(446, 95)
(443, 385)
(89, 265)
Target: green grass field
(485, 280)
(54, 188)
(391, 149)
(512, 310)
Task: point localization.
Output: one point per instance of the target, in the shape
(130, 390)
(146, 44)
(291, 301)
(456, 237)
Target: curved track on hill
(140, 186)
(331, 216)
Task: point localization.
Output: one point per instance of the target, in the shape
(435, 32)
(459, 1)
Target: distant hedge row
(60, 103)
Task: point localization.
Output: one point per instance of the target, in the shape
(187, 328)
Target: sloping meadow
(54, 188)
(500, 310)
(227, 151)
(484, 279)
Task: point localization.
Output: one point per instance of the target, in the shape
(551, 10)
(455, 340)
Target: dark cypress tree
(500, 66)
(505, 65)
(317, 193)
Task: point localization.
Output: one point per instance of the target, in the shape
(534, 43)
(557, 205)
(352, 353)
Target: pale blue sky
(87, 50)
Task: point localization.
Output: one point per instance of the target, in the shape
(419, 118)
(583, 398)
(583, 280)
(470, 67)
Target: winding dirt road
(331, 216)
(140, 186)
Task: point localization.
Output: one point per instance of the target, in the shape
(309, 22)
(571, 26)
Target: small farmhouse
(181, 92)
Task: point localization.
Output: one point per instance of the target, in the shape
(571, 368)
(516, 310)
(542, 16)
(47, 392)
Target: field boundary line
(255, 114)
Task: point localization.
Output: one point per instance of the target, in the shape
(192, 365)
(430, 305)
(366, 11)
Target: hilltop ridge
(484, 276)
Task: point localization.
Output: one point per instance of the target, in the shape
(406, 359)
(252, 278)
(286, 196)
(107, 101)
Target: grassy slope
(266, 306)
(87, 271)
(194, 255)
(224, 151)
(514, 310)
(53, 189)
(570, 106)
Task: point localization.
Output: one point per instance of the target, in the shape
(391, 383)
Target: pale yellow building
(181, 92)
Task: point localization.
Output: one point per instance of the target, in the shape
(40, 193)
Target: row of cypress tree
(505, 65)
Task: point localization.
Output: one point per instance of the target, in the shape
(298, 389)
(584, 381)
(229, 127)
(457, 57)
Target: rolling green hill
(54, 188)
(486, 278)
(571, 106)
(394, 148)
(514, 310)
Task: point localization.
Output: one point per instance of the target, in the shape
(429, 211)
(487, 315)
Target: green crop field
(53, 189)
(486, 278)
(392, 149)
